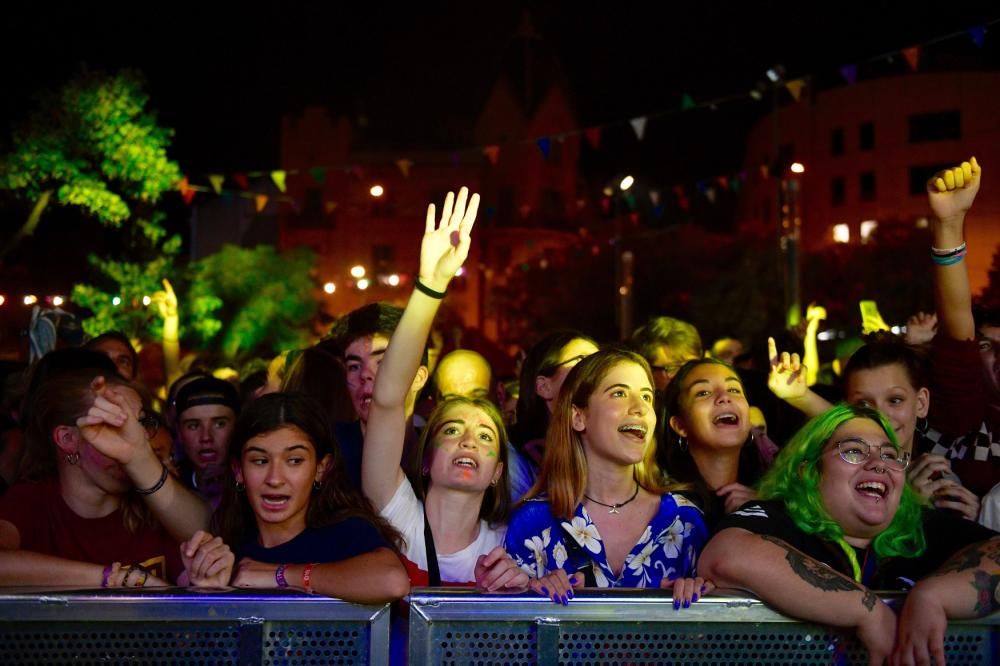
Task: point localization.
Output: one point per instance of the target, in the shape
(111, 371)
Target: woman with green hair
(835, 520)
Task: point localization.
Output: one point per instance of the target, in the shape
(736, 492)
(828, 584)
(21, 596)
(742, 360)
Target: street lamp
(329, 287)
(357, 272)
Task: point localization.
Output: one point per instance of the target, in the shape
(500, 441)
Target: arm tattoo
(820, 575)
(969, 558)
(986, 593)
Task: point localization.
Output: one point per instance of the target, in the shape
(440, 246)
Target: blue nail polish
(565, 601)
(570, 594)
(545, 591)
(677, 604)
(687, 604)
(703, 589)
(694, 598)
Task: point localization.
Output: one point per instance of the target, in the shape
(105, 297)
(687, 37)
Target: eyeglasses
(549, 369)
(856, 451)
(150, 423)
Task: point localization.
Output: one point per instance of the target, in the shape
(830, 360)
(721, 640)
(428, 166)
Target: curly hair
(795, 477)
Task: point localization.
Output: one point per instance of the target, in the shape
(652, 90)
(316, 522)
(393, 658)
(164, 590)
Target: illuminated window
(841, 233)
(868, 228)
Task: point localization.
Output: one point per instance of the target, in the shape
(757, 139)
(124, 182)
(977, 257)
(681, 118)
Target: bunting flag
(756, 94)
(794, 88)
(687, 103)
(605, 205)
(217, 179)
(330, 206)
(404, 167)
(710, 194)
(593, 135)
(850, 73)
(492, 154)
(241, 180)
(639, 126)
(701, 186)
(318, 174)
(654, 197)
(734, 184)
(261, 200)
(723, 182)
(279, 176)
(912, 56)
(630, 200)
(545, 145)
(978, 35)
(765, 172)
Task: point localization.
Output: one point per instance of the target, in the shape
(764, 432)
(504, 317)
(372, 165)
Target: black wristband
(427, 291)
(157, 485)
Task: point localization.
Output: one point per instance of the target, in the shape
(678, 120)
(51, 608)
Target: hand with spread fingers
(497, 572)
(921, 328)
(445, 245)
(787, 379)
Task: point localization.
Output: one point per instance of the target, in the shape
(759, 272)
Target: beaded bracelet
(307, 577)
(427, 291)
(106, 574)
(140, 582)
(948, 252)
(279, 575)
(157, 485)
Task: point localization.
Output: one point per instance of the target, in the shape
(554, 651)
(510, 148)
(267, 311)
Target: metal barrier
(625, 627)
(187, 627)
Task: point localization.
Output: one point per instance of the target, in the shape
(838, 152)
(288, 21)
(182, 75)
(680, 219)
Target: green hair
(795, 475)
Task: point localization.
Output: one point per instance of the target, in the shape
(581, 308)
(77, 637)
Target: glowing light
(394, 279)
(868, 228)
(116, 300)
(623, 290)
(357, 271)
(329, 287)
(377, 191)
(30, 299)
(2, 299)
(826, 335)
(626, 183)
(460, 272)
(896, 329)
(922, 223)
(608, 191)
(57, 301)
(841, 233)
(363, 284)
(146, 300)
(797, 167)
(772, 75)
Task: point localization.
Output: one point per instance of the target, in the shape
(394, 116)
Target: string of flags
(593, 135)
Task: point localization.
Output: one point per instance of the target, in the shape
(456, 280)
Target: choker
(613, 508)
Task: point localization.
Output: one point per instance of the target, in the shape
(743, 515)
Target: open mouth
(274, 501)
(726, 420)
(872, 489)
(468, 463)
(636, 430)
(208, 455)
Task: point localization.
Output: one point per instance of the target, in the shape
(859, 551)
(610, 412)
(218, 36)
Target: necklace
(613, 508)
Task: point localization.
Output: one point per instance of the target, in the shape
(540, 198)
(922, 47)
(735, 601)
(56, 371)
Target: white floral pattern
(540, 543)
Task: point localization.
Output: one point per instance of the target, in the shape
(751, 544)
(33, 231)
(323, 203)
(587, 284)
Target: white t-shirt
(406, 513)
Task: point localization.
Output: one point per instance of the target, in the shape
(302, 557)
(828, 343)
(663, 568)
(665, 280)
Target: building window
(841, 233)
(866, 186)
(837, 141)
(838, 191)
(383, 256)
(866, 136)
(940, 126)
(868, 229)
(919, 175)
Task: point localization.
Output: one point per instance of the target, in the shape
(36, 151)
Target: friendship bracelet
(279, 575)
(307, 577)
(939, 252)
(427, 291)
(948, 261)
(106, 574)
(157, 485)
(128, 572)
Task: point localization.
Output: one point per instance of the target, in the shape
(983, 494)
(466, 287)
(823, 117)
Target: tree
(991, 293)
(92, 145)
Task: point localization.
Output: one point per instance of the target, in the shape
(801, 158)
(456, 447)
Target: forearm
(371, 578)
(810, 358)
(952, 294)
(810, 403)
(178, 509)
(403, 355)
(23, 567)
(966, 585)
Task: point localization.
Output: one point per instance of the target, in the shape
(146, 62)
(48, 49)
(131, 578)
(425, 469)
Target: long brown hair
(563, 474)
(495, 508)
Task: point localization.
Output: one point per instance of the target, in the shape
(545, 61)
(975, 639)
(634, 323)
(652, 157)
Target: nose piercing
(879, 470)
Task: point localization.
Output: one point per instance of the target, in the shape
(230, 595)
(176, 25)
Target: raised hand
(921, 328)
(111, 425)
(952, 191)
(787, 378)
(445, 245)
(166, 300)
(207, 560)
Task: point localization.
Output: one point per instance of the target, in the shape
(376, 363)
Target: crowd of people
(647, 463)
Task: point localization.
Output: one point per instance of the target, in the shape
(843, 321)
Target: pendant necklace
(613, 508)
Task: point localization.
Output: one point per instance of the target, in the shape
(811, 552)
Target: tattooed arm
(797, 585)
(965, 587)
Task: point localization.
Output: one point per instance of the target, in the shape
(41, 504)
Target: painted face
(862, 498)
(466, 450)
(279, 469)
(618, 423)
(121, 354)
(714, 413)
(204, 432)
(576, 350)
(665, 364)
(362, 359)
(989, 352)
(888, 389)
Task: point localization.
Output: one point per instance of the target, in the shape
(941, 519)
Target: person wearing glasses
(836, 519)
(667, 344)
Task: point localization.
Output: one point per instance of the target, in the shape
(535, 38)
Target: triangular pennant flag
(710, 194)
(734, 183)
(605, 205)
(724, 182)
(639, 126)
(654, 197)
(658, 212)
(187, 193)
(765, 171)
(318, 174)
(912, 56)
(687, 103)
(593, 135)
(630, 200)
(404, 167)
(700, 186)
(978, 35)
(492, 154)
(217, 179)
(633, 217)
(330, 206)
(241, 180)
(850, 73)
(795, 88)
(545, 145)
(261, 200)
(279, 177)
(182, 185)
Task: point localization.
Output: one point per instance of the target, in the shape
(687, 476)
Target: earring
(682, 444)
(494, 482)
(72, 458)
(425, 471)
(240, 486)
(316, 486)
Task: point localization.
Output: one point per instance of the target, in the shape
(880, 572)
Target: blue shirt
(540, 543)
(341, 541)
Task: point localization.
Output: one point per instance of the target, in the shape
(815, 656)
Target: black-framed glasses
(856, 451)
(150, 423)
(549, 369)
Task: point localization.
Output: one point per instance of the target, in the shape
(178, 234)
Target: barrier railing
(619, 627)
(182, 627)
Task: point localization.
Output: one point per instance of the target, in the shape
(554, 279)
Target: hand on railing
(208, 561)
(687, 590)
(497, 572)
(557, 585)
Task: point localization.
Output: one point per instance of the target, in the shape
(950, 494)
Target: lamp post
(624, 268)
(791, 227)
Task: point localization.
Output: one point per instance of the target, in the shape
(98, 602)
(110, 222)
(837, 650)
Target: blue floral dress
(541, 543)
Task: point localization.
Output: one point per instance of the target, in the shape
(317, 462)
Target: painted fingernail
(677, 604)
(545, 591)
(703, 589)
(570, 594)
(694, 598)
(687, 604)
(565, 601)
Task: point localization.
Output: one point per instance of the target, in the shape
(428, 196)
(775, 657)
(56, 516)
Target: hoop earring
(682, 444)
(316, 486)
(240, 486)
(72, 458)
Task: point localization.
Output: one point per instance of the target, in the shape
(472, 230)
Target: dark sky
(221, 74)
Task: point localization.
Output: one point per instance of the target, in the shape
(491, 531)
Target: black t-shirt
(344, 540)
(945, 534)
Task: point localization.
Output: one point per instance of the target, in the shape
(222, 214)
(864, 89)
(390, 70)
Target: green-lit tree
(92, 145)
